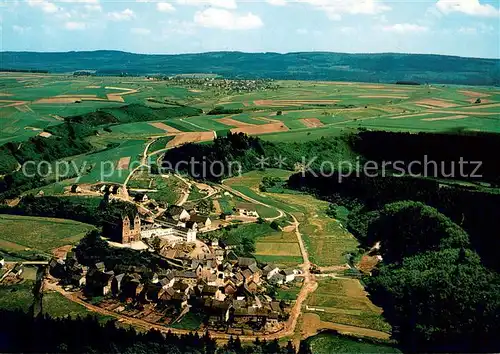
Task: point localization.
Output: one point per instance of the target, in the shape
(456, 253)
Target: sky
(454, 27)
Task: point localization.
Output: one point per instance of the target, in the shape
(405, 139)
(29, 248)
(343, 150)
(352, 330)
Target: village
(207, 281)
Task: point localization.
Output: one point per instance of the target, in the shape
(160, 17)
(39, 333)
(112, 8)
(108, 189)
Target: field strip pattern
(233, 122)
(164, 127)
(261, 129)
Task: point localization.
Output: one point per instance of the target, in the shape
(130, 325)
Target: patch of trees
(93, 249)
(438, 154)
(221, 110)
(8, 161)
(140, 113)
(88, 335)
(413, 83)
(219, 156)
(408, 228)
(434, 290)
(79, 209)
(39, 149)
(269, 182)
(476, 211)
(93, 119)
(222, 158)
(84, 73)
(243, 242)
(13, 184)
(86, 124)
(49, 149)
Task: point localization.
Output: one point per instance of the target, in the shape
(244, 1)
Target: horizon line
(244, 52)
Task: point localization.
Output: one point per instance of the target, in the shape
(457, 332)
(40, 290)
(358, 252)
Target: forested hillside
(387, 67)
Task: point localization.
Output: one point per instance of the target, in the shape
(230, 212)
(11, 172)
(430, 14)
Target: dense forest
(387, 67)
(439, 154)
(434, 290)
(252, 153)
(87, 335)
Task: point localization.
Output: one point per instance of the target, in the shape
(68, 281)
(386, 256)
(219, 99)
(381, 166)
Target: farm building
(202, 221)
(18, 269)
(76, 188)
(247, 209)
(141, 197)
(289, 275)
(178, 213)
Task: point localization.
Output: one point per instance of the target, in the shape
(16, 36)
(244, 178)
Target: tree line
(88, 335)
(434, 290)
(440, 154)
(247, 151)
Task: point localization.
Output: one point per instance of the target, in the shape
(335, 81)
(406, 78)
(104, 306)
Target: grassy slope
(40, 233)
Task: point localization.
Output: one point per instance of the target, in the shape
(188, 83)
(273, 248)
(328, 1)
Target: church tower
(126, 229)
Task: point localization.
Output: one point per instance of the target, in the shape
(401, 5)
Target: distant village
(228, 292)
(218, 83)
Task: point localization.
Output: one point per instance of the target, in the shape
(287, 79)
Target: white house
(167, 281)
(18, 270)
(178, 213)
(289, 275)
(202, 221)
(247, 209)
(269, 270)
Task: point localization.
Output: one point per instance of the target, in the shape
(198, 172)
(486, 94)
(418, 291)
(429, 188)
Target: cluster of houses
(225, 85)
(229, 290)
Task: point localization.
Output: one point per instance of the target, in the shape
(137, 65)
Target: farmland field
(30, 103)
(331, 343)
(344, 301)
(44, 234)
(325, 238)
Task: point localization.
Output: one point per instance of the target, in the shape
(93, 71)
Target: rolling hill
(387, 67)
